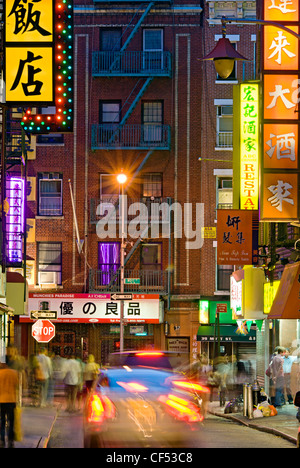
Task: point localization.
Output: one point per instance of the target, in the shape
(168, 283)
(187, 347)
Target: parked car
(140, 404)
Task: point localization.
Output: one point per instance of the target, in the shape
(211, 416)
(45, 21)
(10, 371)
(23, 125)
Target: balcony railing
(140, 281)
(110, 136)
(224, 140)
(129, 63)
(153, 210)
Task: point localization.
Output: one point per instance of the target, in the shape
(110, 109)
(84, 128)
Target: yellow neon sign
(249, 146)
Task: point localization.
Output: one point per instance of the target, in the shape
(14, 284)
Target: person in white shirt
(287, 366)
(46, 372)
(72, 381)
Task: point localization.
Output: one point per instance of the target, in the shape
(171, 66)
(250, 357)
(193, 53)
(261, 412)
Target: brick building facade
(143, 104)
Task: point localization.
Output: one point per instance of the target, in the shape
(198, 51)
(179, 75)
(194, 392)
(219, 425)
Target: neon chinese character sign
(249, 146)
(280, 136)
(39, 61)
(15, 226)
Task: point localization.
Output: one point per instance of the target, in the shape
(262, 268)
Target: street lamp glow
(121, 178)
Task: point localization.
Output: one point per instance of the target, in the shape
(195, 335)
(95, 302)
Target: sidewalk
(37, 423)
(284, 424)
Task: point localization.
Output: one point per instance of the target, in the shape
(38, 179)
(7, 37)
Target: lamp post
(122, 178)
(224, 55)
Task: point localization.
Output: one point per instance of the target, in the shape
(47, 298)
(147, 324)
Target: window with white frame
(224, 126)
(152, 120)
(153, 49)
(50, 194)
(224, 193)
(223, 277)
(49, 263)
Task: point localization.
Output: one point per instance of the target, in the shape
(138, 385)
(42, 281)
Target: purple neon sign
(15, 226)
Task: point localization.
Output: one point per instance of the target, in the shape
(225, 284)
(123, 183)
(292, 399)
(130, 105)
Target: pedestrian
(277, 373)
(287, 367)
(72, 382)
(46, 374)
(9, 383)
(91, 371)
(295, 375)
(33, 383)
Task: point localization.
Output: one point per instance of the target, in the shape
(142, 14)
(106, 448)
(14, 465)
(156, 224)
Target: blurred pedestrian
(46, 371)
(81, 382)
(9, 383)
(91, 371)
(33, 384)
(295, 375)
(287, 367)
(278, 376)
(72, 381)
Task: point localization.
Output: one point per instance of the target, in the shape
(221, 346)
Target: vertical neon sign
(15, 226)
(249, 146)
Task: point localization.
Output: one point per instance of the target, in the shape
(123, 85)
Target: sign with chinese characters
(280, 196)
(237, 237)
(249, 146)
(280, 119)
(28, 51)
(97, 308)
(15, 226)
(38, 56)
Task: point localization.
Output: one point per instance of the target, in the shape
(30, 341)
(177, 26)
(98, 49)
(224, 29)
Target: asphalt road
(216, 433)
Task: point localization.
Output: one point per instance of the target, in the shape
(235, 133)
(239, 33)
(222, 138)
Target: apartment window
(108, 262)
(224, 126)
(50, 138)
(152, 185)
(50, 194)
(110, 39)
(151, 257)
(152, 119)
(153, 48)
(224, 193)
(223, 277)
(49, 263)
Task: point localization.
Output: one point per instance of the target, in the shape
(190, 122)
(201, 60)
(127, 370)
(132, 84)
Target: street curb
(291, 439)
(44, 440)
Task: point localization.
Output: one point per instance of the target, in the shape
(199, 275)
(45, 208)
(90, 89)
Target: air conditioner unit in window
(48, 279)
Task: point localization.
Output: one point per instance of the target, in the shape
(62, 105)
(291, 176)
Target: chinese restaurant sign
(15, 226)
(249, 146)
(280, 140)
(38, 53)
(237, 237)
(97, 308)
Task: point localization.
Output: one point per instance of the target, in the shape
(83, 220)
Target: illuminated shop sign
(280, 140)
(249, 146)
(38, 53)
(15, 225)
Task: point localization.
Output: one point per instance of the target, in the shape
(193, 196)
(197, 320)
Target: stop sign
(43, 331)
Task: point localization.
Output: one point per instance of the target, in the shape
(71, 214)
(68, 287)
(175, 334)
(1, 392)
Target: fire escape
(144, 67)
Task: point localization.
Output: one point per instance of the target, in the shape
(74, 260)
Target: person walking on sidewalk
(9, 382)
(287, 367)
(278, 376)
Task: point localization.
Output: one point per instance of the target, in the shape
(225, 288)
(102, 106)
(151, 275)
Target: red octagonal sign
(43, 331)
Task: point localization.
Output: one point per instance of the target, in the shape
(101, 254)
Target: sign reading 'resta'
(249, 146)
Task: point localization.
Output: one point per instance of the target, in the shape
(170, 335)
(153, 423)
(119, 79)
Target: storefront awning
(228, 333)
(286, 304)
